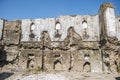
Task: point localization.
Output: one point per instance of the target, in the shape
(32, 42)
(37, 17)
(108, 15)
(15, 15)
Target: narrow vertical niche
(32, 28)
(85, 29)
(57, 30)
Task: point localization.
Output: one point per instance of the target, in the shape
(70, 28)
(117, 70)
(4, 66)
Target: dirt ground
(63, 75)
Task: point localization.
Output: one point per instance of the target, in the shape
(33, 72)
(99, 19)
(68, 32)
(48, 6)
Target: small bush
(38, 69)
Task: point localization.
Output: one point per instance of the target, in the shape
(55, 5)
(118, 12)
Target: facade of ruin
(85, 43)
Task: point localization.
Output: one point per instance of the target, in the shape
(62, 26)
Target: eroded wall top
(86, 26)
(109, 23)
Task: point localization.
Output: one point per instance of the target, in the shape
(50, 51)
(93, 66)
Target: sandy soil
(59, 76)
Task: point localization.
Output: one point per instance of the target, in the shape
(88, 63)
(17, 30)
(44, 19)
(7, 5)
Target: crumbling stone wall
(11, 38)
(109, 39)
(72, 43)
(12, 30)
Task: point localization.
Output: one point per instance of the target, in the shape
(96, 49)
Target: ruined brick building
(85, 43)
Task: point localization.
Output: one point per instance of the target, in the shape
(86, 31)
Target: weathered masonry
(75, 43)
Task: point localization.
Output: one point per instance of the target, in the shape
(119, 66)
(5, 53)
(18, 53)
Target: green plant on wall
(118, 68)
(37, 69)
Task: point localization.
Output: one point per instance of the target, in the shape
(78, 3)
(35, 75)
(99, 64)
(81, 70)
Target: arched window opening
(85, 29)
(57, 32)
(84, 24)
(57, 65)
(32, 27)
(87, 57)
(30, 61)
(87, 67)
(57, 26)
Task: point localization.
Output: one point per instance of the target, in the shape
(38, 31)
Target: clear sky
(31, 9)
